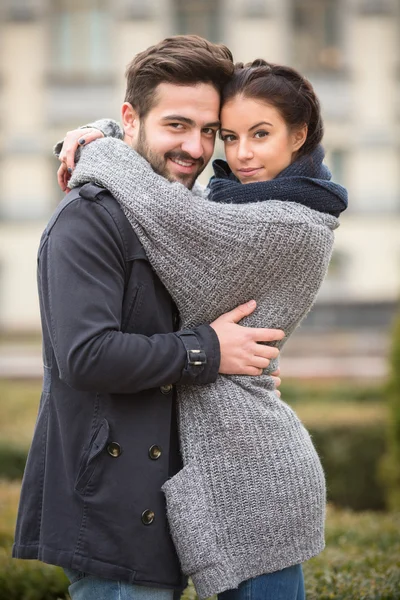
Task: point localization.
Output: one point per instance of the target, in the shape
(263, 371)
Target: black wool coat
(106, 439)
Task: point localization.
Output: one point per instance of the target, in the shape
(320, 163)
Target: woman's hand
(72, 141)
(277, 381)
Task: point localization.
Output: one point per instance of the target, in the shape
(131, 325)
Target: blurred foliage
(322, 391)
(350, 455)
(30, 580)
(12, 460)
(361, 560)
(20, 579)
(390, 464)
(19, 403)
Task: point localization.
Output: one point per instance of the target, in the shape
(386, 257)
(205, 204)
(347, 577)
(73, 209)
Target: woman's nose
(244, 150)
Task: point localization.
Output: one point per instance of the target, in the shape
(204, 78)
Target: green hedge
(12, 460)
(30, 580)
(390, 464)
(350, 456)
(361, 560)
(296, 391)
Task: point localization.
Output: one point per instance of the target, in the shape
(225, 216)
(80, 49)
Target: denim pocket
(190, 520)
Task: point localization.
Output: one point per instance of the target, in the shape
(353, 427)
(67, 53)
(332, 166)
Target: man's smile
(185, 164)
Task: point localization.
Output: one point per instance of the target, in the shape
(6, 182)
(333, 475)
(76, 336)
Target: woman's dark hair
(285, 89)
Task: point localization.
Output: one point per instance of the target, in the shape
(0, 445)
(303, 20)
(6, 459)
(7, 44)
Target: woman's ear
(299, 136)
(130, 121)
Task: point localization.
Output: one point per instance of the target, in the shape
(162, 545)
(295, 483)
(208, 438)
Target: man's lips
(184, 165)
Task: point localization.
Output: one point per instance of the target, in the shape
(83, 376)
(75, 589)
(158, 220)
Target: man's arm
(82, 274)
(82, 286)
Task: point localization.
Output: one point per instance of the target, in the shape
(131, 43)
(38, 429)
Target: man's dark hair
(181, 60)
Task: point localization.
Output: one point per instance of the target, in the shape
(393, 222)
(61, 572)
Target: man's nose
(244, 150)
(193, 145)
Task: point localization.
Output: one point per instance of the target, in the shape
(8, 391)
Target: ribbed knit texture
(306, 181)
(251, 496)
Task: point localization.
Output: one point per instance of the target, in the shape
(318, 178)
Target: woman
(249, 505)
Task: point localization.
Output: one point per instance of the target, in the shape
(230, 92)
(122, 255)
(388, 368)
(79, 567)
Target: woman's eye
(228, 137)
(261, 134)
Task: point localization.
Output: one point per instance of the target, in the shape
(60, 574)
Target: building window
(201, 17)
(20, 10)
(136, 9)
(375, 7)
(316, 35)
(255, 9)
(81, 39)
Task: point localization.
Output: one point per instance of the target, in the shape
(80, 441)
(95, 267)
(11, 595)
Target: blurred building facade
(62, 64)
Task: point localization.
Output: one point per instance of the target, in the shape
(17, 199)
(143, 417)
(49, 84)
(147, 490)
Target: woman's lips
(249, 171)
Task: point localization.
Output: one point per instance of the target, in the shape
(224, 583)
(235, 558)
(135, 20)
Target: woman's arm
(68, 149)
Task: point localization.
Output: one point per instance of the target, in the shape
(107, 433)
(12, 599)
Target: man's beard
(159, 162)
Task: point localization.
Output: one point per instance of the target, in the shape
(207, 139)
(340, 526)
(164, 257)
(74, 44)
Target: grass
(361, 560)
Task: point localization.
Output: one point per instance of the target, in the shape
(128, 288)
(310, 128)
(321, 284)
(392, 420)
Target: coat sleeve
(82, 277)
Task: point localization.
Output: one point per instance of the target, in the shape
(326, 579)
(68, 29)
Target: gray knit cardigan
(251, 496)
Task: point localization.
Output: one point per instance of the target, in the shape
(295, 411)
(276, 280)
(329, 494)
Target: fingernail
(69, 170)
(251, 304)
(81, 141)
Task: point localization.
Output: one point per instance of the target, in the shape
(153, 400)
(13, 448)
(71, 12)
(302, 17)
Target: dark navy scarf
(306, 181)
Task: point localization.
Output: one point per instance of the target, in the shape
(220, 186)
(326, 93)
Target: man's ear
(130, 120)
(299, 137)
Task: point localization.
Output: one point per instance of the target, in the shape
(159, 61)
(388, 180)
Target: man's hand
(241, 352)
(72, 141)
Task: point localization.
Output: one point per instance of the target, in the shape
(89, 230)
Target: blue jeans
(90, 587)
(287, 584)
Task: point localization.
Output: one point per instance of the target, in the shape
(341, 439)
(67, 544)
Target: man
(106, 438)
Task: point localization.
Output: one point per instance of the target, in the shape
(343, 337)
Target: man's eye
(261, 134)
(209, 131)
(176, 125)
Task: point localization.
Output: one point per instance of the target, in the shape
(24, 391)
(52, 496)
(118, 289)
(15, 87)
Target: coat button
(114, 449)
(147, 517)
(154, 452)
(166, 389)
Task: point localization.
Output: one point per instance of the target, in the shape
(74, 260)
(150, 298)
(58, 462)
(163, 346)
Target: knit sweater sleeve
(220, 251)
(108, 127)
